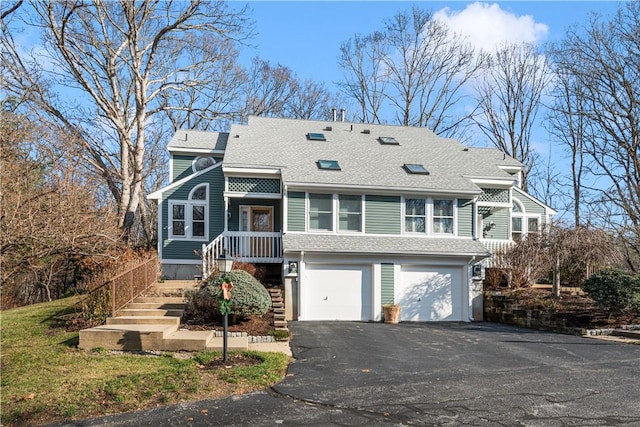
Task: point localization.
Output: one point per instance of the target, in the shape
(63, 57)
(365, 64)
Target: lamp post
(224, 265)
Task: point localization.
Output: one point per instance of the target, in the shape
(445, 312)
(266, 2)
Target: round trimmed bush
(248, 298)
(615, 290)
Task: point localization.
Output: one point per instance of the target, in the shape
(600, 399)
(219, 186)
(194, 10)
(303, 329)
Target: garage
(430, 294)
(333, 292)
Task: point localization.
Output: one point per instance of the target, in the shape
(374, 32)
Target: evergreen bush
(248, 298)
(614, 290)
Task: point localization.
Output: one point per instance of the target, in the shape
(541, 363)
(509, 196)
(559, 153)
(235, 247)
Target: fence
(115, 293)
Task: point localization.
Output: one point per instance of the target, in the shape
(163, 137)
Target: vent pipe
(335, 114)
(342, 114)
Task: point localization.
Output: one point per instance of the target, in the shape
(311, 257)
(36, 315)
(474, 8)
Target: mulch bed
(234, 360)
(256, 326)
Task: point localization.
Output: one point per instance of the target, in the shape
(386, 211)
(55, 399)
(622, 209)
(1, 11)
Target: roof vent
(328, 128)
(366, 131)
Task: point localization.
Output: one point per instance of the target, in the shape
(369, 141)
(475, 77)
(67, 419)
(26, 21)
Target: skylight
(328, 164)
(388, 140)
(316, 136)
(414, 168)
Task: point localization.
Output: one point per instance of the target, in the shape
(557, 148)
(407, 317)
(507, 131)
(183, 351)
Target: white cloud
(488, 26)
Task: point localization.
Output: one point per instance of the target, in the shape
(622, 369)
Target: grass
(46, 378)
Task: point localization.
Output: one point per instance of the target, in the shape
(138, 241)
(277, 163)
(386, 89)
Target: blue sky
(306, 36)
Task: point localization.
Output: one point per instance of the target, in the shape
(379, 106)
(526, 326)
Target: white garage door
(337, 293)
(427, 293)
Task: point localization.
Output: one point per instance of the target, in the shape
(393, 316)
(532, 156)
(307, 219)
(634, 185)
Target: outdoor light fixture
(224, 263)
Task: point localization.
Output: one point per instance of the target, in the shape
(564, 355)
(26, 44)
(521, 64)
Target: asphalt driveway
(430, 374)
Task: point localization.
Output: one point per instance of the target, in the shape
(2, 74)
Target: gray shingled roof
(282, 144)
(294, 242)
(195, 139)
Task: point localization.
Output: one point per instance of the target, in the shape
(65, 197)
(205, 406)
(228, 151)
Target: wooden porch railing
(495, 246)
(243, 246)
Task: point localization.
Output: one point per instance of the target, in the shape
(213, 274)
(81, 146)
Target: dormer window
(316, 136)
(416, 169)
(328, 165)
(388, 140)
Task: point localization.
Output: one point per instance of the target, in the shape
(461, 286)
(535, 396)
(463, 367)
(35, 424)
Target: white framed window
(202, 162)
(521, 222)
(443, 216)
(320, 213)
(415, 217)
(189, 219)
(429, 216)
(349, 213)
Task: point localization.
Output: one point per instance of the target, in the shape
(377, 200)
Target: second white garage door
(337, 292)
(428, 294)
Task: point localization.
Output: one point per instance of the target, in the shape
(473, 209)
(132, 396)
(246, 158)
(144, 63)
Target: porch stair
(152, 323)
(277, 304)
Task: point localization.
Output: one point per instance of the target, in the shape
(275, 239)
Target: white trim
(550, 210)
(362, 189)
(241, 172)
(285, 210)
(195, 159)
(160, 231)
(191, 151)
(376, 308)
(157, 195)
(189, 204)
(238, 195)
(428, 218)
(504, 182)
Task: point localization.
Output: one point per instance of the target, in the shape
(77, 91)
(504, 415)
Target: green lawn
(45, 378)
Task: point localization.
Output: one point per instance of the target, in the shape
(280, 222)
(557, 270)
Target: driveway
(433, 374)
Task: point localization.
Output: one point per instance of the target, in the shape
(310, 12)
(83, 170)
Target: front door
(258, 219)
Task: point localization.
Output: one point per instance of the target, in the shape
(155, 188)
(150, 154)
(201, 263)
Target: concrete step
(150, 312)
(233, 343)
(144, 320)
(278, 310)
(277, 299)
(276, 305)
(187, 341)
(156, 305)
(280, 328)
(125, 337)
(278, 316)
(279, 323)
(156, 299)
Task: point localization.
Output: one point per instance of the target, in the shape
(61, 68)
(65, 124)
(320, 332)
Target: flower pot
(391, 313)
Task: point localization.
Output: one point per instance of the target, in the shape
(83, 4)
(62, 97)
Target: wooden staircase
(152, 323)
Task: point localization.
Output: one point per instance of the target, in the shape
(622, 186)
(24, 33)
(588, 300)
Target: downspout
(470, 289)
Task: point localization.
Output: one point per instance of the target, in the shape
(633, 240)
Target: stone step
(278, 310)
(144, 320)
(177, 284)
(275, 291)
(125, 337)
(277, 299)
(278, 316)
(150, 312)
(279, 323)
(281, 328)
(277, 305)
(156, 305)
(157, 299)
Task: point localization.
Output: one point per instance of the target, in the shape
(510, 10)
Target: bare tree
(604, 59)
(123, 63)
(362, 59)
(509, 97)
(311, 101)
(269, 89)
(418, 66)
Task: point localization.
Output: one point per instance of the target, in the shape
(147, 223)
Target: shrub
(614, 290)
(248, 298)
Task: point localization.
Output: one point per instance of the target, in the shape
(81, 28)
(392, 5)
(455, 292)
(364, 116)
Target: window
(443, 216)
(416, 169)
(189, 218)
(328, 164)
(350, 213)
(321, 212)
(388, 140)
(521, 222)
(415, 216)
(200, 163)
(316, 136)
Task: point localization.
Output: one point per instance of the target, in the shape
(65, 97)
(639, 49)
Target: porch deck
(243, 246)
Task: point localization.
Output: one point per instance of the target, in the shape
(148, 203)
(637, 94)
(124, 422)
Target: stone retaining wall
(502, 309)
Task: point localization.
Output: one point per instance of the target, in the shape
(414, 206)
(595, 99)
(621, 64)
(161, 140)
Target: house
(352, 215)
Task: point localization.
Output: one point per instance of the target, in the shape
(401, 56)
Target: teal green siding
(387, 283)
(501, 218)
(181, 166)
(465, 218)
(383, 215)
(184, 249)
(295, 211)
